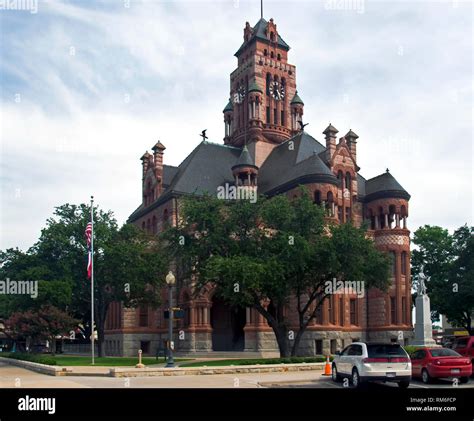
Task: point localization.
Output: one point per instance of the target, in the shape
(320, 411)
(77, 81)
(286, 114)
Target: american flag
(88, 234)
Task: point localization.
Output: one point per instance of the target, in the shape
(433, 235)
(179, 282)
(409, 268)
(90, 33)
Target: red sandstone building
(264, 112)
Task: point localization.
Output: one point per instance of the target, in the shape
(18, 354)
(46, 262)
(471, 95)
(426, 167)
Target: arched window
(330, 204)
(372, 219)
(391, 215)
(317, 197)
(340, 176)
(271, 54)
(272, 36)
(348, 181)
(381, 218)
(265, 52)
(269, 79)
(278, 56)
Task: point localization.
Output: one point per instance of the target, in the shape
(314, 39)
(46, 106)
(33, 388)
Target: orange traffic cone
(327, 367)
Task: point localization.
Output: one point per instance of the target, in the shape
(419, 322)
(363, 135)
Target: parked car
(464, 345)
(362, 362)
(431, 363)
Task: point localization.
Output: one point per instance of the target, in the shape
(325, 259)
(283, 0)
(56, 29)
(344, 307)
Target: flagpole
(92, 280)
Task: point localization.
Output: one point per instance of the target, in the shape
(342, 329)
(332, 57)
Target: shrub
(34, 358)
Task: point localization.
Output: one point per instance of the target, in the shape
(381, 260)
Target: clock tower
(264, 107)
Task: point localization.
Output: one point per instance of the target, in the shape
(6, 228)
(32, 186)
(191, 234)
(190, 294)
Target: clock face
(239, 94)
(277, 90)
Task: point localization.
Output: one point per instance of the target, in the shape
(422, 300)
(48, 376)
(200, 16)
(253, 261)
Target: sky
(87, 87)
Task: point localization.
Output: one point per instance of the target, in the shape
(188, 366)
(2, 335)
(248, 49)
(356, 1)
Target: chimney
(158, 150)
(351, 138)
(145, 161)
(330, 134)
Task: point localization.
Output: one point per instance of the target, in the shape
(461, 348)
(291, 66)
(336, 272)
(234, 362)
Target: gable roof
(259, 33)
(290, 164)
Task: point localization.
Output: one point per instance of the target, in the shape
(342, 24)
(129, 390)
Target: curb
(196, 371)
(155, 372)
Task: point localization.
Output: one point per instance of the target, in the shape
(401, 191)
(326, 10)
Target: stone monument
(423, 325)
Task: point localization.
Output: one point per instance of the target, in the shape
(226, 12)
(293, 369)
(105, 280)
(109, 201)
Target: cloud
(98, 84)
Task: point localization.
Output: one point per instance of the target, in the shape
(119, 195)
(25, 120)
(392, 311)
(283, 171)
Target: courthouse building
(261, 120)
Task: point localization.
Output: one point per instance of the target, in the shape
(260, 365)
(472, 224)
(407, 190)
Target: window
(275, 116)
(348, 181)
(265, 52)
(333, 346)
(153, 224)
(143, 226)
(268, 115)
(317, 197)
(348, 214)
(341, 311)
(353, 311)
(393, 259)
(269, 78)
(393, 310)
(355, 350)
(143, 316)
(318, 346)
(282, 118)
(331, 309)
(145, 346)
(346, 350)
(404, 263)
(404, 310)
(271, 54)
(319, 315)
(381, 218)
(272, 36)
(278, 56)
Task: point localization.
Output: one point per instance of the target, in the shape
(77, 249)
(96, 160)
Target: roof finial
(387, 171)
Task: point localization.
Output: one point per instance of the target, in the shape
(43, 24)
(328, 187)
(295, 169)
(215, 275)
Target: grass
(255, 361)
(73, 360)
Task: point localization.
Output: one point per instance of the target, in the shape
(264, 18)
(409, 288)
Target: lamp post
(170, 281)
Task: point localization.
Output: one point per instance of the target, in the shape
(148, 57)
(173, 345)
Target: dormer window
(272, 36)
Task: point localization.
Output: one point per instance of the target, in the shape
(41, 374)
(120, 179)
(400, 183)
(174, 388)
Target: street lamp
(170, 281)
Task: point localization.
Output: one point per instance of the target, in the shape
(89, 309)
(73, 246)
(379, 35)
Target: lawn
(254, 361)
(76, 360)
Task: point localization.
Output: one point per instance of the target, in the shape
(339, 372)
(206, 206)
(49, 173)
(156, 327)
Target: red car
(430, 363)
(464, 345)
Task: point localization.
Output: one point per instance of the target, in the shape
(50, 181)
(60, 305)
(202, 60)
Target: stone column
(386, 221)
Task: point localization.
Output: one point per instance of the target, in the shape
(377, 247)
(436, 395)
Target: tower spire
(261, 9)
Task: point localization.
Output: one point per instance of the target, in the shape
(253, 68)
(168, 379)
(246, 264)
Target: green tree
(128, 266)
(449, 261)
(274, 255)
(45, 323)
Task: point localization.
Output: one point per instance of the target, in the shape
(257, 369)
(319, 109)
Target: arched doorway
(227, 326)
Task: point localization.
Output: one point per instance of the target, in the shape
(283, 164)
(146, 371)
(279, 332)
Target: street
(16, 377)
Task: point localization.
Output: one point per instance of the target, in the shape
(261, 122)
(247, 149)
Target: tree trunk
(101, 316)
(281, 333)
(53, 345)
(298, 337)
